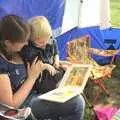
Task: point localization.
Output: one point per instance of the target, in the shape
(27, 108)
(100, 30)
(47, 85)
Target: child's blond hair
(40, 27)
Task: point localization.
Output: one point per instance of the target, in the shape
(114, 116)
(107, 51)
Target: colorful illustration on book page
(76, 76)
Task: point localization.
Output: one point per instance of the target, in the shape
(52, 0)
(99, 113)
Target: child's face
(41, 42)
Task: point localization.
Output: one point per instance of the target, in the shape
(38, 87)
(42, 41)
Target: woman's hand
(35, 68)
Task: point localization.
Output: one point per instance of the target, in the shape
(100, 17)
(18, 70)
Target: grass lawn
(115, 12)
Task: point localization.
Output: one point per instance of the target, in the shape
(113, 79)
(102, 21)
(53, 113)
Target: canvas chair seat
(98, 70)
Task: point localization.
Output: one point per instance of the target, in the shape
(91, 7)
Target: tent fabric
(54, 11)
(105, 14)
(86, 13)
(27, 8)
(114, 34)
(71, 16)
(3, 2)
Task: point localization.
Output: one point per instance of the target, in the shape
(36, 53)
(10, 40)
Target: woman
(17, 80)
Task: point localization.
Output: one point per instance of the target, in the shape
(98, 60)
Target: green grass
(115, 13)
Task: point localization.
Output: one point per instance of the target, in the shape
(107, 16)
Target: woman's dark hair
(14, 29)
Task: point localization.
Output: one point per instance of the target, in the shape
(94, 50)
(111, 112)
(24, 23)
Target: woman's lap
(68, 110)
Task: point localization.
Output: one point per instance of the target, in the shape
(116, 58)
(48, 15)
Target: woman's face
(16, 47)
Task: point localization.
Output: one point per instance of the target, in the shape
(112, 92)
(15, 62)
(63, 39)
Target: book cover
(72, 83)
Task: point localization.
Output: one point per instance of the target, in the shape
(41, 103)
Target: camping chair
(79, 51)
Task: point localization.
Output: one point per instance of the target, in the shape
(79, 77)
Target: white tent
(86, 13)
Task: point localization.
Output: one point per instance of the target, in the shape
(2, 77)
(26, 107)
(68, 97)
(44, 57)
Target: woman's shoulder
(3, 65)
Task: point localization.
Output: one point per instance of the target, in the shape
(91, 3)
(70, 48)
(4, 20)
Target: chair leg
(100, 83)
(86, 100)
(96, 97)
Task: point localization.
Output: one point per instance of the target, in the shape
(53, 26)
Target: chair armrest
(101, 52)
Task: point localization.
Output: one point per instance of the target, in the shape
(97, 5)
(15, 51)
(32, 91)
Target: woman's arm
(6, 94)
(16, 99)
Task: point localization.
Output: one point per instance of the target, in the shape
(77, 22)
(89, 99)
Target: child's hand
(56, 65)
(56, 62)
(51, 69)
(65, 64)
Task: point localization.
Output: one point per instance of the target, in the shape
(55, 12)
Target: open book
(72, 83)
(14, 114)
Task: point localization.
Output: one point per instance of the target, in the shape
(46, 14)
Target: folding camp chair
(79, 51)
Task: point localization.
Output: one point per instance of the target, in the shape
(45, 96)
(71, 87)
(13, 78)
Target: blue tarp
(53, 10)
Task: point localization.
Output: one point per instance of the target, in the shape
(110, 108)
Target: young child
(45, 47)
